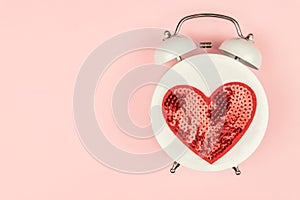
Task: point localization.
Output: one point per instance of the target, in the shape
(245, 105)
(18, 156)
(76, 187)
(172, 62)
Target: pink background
(44, 43)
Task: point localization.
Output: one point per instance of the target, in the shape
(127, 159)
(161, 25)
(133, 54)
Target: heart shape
(209, 126)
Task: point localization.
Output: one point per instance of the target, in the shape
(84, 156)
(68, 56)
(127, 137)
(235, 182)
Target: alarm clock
(209, 111)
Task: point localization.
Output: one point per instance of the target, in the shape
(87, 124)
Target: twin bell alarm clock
(213, 111)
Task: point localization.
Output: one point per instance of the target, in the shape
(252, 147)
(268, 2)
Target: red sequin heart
(209, 126)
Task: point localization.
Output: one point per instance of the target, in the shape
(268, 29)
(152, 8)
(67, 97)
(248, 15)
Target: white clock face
(192, 124)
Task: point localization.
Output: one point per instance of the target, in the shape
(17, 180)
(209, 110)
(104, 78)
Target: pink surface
(42, 46)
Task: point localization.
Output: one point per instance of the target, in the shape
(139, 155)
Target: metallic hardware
(236, 24)
(237, 170)
(205, 45)
(250, 37)
(167, 35)
(179, 58)
(174, 167)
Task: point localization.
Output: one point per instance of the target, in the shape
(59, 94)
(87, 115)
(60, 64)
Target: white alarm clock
(209, 112)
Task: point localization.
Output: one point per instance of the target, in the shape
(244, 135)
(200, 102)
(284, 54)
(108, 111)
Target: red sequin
(209, 126)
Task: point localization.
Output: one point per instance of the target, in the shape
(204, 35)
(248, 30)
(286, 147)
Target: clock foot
(174, 167)
(237, 170)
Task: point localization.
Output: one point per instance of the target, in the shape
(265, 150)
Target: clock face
(209, 112)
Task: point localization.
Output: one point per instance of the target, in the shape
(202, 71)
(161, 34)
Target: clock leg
(237, 170)
(174, 167)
